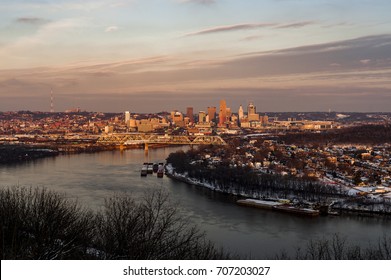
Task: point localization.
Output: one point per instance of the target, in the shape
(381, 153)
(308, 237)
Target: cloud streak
(228, 28)
(248, 26)
(295, 25)
(31, 20)
(202, 2)
(332, 72)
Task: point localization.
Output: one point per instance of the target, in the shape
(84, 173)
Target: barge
(258, 203)
(296, 210)
(278, 205)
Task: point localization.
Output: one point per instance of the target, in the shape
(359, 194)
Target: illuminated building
(223, 113)
(212, 114)
(240, 113)
(201, 117)
(189, 114)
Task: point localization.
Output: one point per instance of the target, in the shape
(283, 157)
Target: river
(248, 232)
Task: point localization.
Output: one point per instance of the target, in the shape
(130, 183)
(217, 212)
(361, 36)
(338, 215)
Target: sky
(161, 55)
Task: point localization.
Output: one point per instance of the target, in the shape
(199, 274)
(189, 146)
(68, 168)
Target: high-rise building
(223, 112)
(251, 112)
(178, 119)
(251, 109)
(228, 115)
(212, 114)
(201, 117)
(240, 112)
(127, 117)
(189, 114)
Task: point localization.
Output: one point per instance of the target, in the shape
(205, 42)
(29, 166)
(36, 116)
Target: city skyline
(157, 55)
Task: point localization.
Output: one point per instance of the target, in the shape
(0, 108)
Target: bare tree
(149, 229)
(337, 248)
(40, 224)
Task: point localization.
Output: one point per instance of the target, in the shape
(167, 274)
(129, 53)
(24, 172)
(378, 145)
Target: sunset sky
(154, 55)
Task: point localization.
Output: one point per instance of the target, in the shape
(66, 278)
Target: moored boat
(259, 203)
(144, 170)
(155, 167)
(160, 171)
(150, 168)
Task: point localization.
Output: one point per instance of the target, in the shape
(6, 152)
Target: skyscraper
(251, 108)
(212, 114)
(201, 117)
(189, 114)
(223, 112)
(127, 117)
(240, 112)
(228, 114)
(251, 112)
(178, 119)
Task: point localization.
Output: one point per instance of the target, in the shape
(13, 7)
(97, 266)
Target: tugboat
(144, 170)
(155, 167)
(160, 170)
(150, 168)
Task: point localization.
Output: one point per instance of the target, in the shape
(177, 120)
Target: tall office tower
(229, 113)
(240, 112)
(189, 114)
(127, 117)
(251, 108)
(252, 115)
(212, 114)
(201, 117)
(223, 112)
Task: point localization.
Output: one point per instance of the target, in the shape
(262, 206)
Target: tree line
(364, 134)
(41, 224)
(338, 247)
(19, 153)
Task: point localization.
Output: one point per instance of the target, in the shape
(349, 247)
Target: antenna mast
(51, 102)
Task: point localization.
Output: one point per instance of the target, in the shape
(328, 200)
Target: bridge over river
(123, 139)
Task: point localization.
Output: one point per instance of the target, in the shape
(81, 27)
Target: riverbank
(170, 172)
(19, 153)
(345, 206)
(22, 153)
(10, 154)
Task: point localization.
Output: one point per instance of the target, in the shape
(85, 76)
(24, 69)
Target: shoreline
(22, 153)
(347, 209)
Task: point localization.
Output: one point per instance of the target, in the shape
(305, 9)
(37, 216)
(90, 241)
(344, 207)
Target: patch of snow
(342, 116)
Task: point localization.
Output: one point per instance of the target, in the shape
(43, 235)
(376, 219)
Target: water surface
(253, 233)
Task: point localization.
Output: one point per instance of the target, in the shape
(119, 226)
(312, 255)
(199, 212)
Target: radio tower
(51, 102)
